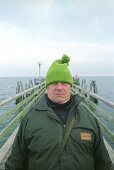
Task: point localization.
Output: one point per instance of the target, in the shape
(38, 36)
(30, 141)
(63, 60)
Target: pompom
(65, 59)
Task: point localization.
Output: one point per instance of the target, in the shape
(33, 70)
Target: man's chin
(60, 101)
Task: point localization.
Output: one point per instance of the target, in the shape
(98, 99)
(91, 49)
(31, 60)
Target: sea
(105, 87)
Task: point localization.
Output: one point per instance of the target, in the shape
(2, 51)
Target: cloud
(32, 31)
(20, 47)
(82, 52)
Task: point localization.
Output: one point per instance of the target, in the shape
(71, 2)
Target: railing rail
(10, 99)
(33, 96)
(96, 96)
(106, 114)
(7, 114)
(8, 127)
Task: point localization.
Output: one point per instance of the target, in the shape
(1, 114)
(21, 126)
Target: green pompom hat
(58, 71)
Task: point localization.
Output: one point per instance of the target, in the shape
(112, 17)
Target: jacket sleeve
(18, 158)
(101, 156)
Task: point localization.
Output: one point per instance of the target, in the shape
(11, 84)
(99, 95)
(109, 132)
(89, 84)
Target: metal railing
(22, 107)
(111, 104)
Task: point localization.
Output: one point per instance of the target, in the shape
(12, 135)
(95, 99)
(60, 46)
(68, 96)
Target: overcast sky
(34, 31)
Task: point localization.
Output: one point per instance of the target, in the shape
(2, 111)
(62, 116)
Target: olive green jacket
(38, 143)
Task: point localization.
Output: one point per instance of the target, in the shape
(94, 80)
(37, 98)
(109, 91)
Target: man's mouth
(59, 94)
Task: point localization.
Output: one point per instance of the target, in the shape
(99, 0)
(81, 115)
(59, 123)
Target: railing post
(76, 81)
(93, 87)
(20, 89)
(84, 86)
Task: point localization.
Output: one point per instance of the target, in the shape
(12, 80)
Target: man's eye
(64, 83)
(54, 83)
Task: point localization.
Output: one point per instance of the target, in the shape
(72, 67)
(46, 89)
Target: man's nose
(59, 85)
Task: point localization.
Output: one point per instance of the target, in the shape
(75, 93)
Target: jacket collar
(42, 104)
(77, 99)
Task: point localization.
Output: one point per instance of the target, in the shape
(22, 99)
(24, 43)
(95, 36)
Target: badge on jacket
(85, 136)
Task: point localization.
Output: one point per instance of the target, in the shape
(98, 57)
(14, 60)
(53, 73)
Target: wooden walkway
(6, 150)
(2, 164)
(110, 151)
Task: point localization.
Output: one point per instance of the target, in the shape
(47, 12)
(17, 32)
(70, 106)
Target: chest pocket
(82, 141)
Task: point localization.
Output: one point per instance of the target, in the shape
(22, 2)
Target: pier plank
(6, 149)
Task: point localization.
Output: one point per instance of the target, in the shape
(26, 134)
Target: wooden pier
(32, 95)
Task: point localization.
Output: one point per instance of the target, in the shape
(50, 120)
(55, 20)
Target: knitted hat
(58, 71)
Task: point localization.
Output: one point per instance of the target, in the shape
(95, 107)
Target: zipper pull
(64, 127)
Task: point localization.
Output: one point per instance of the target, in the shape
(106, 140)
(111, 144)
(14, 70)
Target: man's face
(59, 92)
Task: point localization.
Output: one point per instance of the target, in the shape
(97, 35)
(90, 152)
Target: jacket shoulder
(86, 116)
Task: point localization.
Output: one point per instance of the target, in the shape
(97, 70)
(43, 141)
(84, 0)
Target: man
(58, 133)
